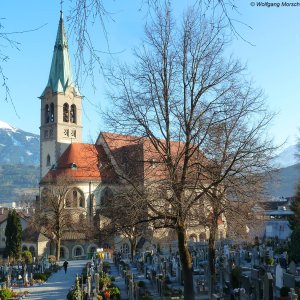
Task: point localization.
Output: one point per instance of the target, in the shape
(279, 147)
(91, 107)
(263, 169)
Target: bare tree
(8, 40)
(122, 221)
(86, 13)
(55, 214)
(202, 125)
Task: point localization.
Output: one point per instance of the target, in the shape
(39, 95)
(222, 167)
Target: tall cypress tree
(13, 234)
(294, 220)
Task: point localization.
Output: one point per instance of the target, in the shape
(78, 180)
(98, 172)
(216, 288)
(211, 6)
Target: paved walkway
(57, 286)
(119, 281)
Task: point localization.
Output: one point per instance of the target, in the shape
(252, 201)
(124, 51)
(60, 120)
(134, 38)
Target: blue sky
(273, 62)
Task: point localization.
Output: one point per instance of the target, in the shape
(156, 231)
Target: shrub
(39, 276)
(141, 284)
(52, 259)
(26, 257)
(6, 294)
(269, 261)
(235, 277)
(106, 267)
(104, 281)
(114, 293)
(76, 293)
(284, 291)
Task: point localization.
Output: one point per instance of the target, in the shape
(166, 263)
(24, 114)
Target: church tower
(61, 106)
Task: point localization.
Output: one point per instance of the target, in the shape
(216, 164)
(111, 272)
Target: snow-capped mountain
(18, 146)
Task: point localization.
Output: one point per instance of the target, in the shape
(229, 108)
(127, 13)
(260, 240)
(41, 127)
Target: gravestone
(279, 276)
(288, 280)
(268, 286)
(89, 285)
(293, 295)
(96, 276)
(292, 268)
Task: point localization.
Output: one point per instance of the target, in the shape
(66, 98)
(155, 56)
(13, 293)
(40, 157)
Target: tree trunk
(186, 263)
(212, 258)
(132, 248)
(58, 249)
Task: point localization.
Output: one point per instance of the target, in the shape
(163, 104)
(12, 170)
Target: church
(92, 169)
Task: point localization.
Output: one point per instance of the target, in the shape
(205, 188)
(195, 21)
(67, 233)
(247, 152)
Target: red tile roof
(139, 157)
(81, 162)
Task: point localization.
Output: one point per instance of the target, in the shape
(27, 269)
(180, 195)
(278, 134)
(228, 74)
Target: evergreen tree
(294, 220)
(13, 234)
(294, 246)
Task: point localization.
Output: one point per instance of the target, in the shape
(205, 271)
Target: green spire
(60, 76)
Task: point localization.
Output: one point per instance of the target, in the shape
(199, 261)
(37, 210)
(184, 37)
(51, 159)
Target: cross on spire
(61, 4)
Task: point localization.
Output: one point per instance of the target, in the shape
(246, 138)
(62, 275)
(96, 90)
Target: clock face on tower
(70, 95)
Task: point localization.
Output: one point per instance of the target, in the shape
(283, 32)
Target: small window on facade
(46, 134)
(73, 133)
(51, 132)
(73, 114)
(48, 160)
(153, 163)
(66, 112)
(66, 132)
(51, 112)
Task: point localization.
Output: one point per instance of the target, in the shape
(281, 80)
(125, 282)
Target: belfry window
(73, 114)
(48, 160)
(66, 112)
(51, 112)
(47, 113)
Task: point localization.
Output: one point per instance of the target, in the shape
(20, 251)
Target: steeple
(61, 106)
(60, 76)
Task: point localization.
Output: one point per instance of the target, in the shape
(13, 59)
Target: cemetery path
(57, 286)
(119, 281)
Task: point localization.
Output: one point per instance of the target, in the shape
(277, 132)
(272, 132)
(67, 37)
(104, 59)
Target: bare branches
(7, 41)
(203, 121)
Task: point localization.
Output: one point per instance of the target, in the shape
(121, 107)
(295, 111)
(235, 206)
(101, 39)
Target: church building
(91, 169)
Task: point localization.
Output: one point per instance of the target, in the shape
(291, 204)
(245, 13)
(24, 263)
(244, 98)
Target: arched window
(78, 251)
(51, 112)
(193, 238)
(73, 114)
(66, 112)
(47, 113)
(125, 248)
(48, 160)
(202, 236)
(24, 248)
(74, 198)
(32, 250)
(62, 253)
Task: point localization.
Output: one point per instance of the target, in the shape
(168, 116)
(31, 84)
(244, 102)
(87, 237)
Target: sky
(271, 52)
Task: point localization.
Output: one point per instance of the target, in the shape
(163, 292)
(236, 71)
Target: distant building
(34, 242)
(275, 216)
